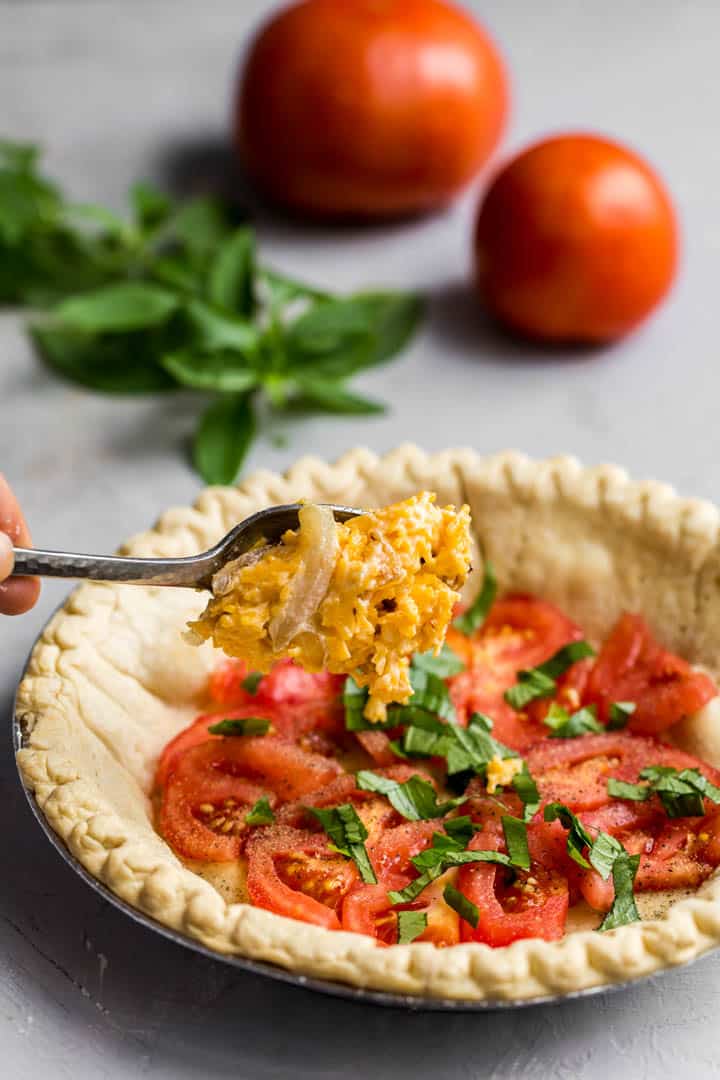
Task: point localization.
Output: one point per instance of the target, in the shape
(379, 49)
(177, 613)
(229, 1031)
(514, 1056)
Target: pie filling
(527, 787)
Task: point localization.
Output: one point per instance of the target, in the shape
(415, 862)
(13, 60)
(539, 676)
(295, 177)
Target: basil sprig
(248, 725)
(261, 813)
(172, 297)
(681, 791)
(410, 925)
(541, 681)
(348, 836)
(472, 619)
(415, 799)
(565, 725)
(460, 903)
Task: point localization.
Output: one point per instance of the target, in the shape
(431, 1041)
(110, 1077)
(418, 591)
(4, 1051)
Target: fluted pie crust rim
(110, 681)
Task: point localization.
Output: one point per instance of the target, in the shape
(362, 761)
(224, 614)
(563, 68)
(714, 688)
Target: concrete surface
(122, 90)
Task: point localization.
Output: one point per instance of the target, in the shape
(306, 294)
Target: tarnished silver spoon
(190, 572)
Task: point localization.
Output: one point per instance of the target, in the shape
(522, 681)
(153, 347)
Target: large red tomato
(576, 241)
(369, 107)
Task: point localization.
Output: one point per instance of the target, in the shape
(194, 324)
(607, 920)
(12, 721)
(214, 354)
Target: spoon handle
(188, 573)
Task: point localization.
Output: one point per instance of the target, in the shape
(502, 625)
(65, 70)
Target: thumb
(6, 556)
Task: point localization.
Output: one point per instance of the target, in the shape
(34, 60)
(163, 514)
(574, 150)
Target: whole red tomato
(368, 108)
(576, 241)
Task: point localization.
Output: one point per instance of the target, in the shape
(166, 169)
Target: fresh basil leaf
(474, 747)
(415, 799)
(411, 924)
(472, 619)
(348, 835)
(329, 395)
(604, 852)
(623, 910)
(115, 365)
(282, 289)
(516, 840)
(226, 372)
(393, 316)
(150, 206)
(248, 725)
(460, 903)
(578, 838)
(444, 852)
(446, 664)
(566, 726)
(620, 789)
(252, 681)
(429, 695)
(231, 281)
(261, 813)
(223, 438)
(619, 714)
(460, 829)
(129, 305)
(540, 681)
(527, 790)
(200, 225)
(212, 330)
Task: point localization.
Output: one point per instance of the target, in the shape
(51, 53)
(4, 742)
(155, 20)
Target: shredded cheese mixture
(357, 598)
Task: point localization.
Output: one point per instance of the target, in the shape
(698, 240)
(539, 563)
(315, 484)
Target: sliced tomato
(576, 771)
(294, 872)
(203, 807)
(514, 905)
(391, 852)
(632, 666)
(571, 687)
(286, 684)
(377, 745)
(367, 910)
(519, 632)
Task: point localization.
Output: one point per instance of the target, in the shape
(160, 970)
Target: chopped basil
(460, 829)
(526, 788)
(460, 903)
(248, 725)
(261, 813)
(624, 909)
(541, 681)
(619, 714)
(603, 850)
(604, 853)
(568, 726)
(430, 698)
(348, 835)
(516, 840)
(445, 852)
(415, 799)
(444, 665)
(472, 619)
(681, 791)
(474, 747)
(252, 681)
(410, 924)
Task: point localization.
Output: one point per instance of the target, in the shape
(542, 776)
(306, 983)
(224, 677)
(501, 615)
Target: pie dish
(111, 681)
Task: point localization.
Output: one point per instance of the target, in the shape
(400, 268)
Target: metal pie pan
(273, 971)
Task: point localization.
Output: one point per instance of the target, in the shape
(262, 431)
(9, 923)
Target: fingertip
(6, 556)
(18, 595)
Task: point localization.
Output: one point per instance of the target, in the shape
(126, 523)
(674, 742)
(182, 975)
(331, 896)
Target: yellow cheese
(500, 772)
(389, 583)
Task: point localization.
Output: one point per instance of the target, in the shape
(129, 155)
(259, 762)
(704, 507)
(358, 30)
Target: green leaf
(261, 813)
(681, 791)
(252, 681)
(200, 225)
(329, 395)
(122, 365)
(415, 799)
(248, 725)
(472, 619)
(411, 924)
(394, 318)
(232, 273)
(515, 832)
(474, 747)
(446, 664)
(461, 829)
(115, 308)
(150, 206)
(226, 372)
(604, 852)
(578, 837)
(624, 909)
(282, 289)
(619, 714)
(348, 835)
(223, 438)
(540, 681)
(527, 790)
(435, 860)
(460, 903)
(566, 726)
(212, 330)
(620, 789)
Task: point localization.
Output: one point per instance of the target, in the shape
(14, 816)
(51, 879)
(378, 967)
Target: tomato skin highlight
(576, 241)
(360, 109)
(632, 666)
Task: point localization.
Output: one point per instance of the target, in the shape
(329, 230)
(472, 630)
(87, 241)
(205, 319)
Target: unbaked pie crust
(110, 681)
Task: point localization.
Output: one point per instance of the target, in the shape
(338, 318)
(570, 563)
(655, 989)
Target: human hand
(16, 594)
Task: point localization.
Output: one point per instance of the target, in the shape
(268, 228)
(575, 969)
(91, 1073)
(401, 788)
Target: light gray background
(122, 90)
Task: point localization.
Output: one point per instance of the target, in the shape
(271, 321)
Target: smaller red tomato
(576, 241)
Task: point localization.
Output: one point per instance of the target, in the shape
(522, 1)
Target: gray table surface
(121, 90)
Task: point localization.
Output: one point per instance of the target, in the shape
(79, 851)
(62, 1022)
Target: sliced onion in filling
(307, 590)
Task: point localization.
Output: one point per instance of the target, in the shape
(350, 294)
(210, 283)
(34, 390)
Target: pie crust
(110, 681)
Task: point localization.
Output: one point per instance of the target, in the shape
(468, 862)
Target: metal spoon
(191, 572)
